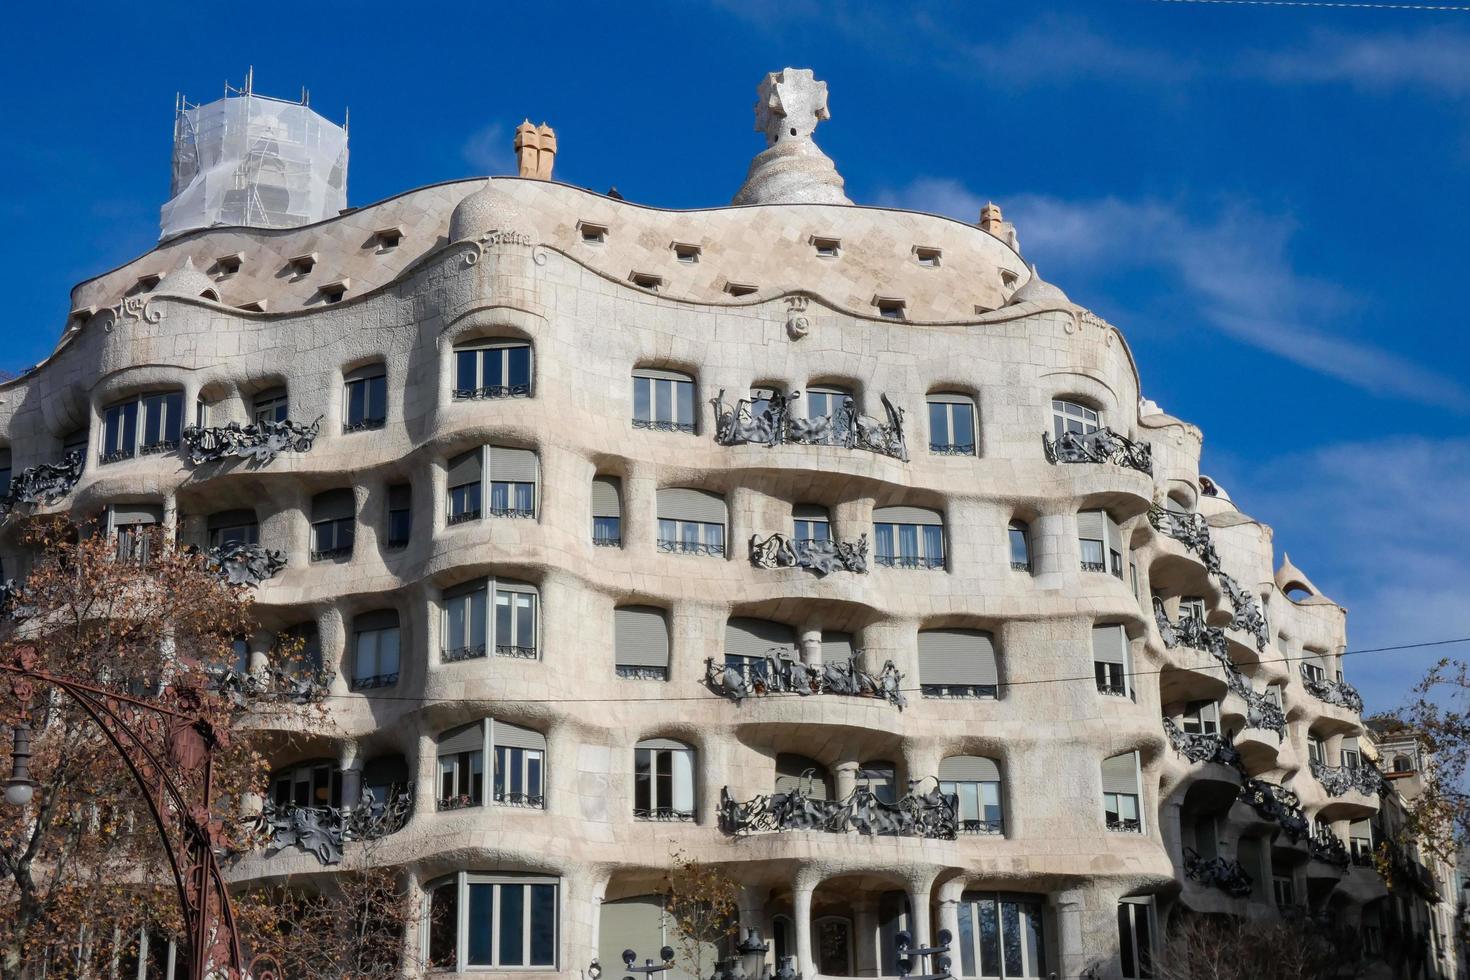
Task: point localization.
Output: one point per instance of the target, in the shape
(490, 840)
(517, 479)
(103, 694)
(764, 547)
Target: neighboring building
(575, 495)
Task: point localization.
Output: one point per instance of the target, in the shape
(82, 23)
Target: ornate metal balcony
(461, 801)
(1261, 711)
(821, 555)
(1126, 825)
(158, 448)
(952, 448)
(364, 425)
(239, 563)
(260, 442)
(522, 512)
(1325, 846)
(776, 424)
(639, 673)
(462, 517)
(1198, 747)
(375, 681)
(1094, 566)
(670, 546)
(931, 814)
(1339, 693)
(1279, 804)
(1216, 872)
(982, 828)
(1190, 632)
(607, 541)
(1248, 614)
(1102, 446)
(659, 425)
(44, 483)
(1339, 780)
(332, 554)
(456, 654)
(511, 650)
(324, 831)
(780, 673)
(1189, 530)
(924, 562)
(492, 391)
(528, 801)
(273, 685)
(663, 813)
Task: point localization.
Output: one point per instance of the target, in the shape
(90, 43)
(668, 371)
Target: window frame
(482, 356)
(896, 558)
(127, 422)
(945, 404)
(487, 615)
(676, 399)
(981, 822)
(1019, 530)
(361, 681)
(658, 809)
(1076, 417)
(461, 881)
(371, 379)
(970, 914)
(1137, 927)
(273, 402)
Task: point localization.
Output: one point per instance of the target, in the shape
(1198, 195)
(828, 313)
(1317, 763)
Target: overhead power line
(1344, 4)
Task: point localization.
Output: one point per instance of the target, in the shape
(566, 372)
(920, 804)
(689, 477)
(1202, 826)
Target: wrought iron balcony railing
(640, 673)
(460, 801)
(926, 562)
(1190, 632)
(158, 448)
(456, 654)
(1117, 689)
(273, 685)
(1125, 825)
(239, 563)
(931, 814)
(332, 554)
(775, 424)
(1199, 747)
(44, 483)
(325, 831)
(663, 813)
(1277, 804)
(462, 517)
(529, 801)
(1216, 872)
(1261, 712)
(1249, 617)
(1190, 530)
(983, 828)
(671, 546)
(518, 652)
(979, 691)
(607, 541)
(1339, 780)
(375, 681)
(363, 425)
(1325, 846)
(778, 672)
(821, 555)
(116, 456)
(522, 512)
(660, 425)
(259, 442)
(1094, 566)
(1102, 446)
(1339, 693)
(952, 448)
(492, 391)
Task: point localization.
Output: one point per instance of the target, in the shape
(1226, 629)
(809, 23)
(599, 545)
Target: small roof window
(592, 234)
(302, 264)
(827, 248)
(227, 265)
(385, 239)
(687, 253)
(647, 280)
(927, 256)
(333, 292)
(739, 288)
(890, 307)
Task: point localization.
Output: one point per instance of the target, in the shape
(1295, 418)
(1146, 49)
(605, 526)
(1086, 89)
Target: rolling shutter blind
(789, 778)
(1109, 644)
(367, 371)
(385, 770)
(682, 769)
(269, 394)
(810, 512)
(630, 923)
(907, 515)
(659, 374)
(136, 514)
(231, 518)
(956, 656)
(1120, 774)
(660, 743)
(333, 505)
(464, 469)
(641, 637)
(606, 496)
(400, 496)
(465, 738)
(685, 504)
(516, 737)
(756, 637)
(969, 768)
(950, 398)
(1361, 829)
(1174, 506)
(836, 647)
(1115, 536)
(510, 585)
(1350, 744)
(513, 465)
(380, 619)
(1090, 525)
(465, 588)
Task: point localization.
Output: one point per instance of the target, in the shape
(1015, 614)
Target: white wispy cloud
(1234, 267)
(489, 150)
(1436, 61)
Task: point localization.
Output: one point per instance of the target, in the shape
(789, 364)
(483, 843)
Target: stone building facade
(822, 542)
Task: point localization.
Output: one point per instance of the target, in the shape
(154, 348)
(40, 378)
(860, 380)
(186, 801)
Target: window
(974, 783)
(4, 471)
(1001, 936)
(751, 646)
(829, 414)
(607, 512)
(400, 514)
(1074, 418)
(300, 265)
(691, 522)
(663, 400)
(492, 369)
(512, 479)
(909, 537)
(1352, 756)
(592, 234)
(739, 288)
(1312, 668)
(811, 522)
(1120, 793)
(143, 425)
(879, 778)
(927, 257)
(149, 955)
(663, 780)
(367, 399)
(333, 524)
(1315, 750)
(311, 784)
(951, 424)
(470, 632)
(1110, 660)
(333, 292)
(1192, 607)
(387, 238)
(1360, 842)
(233, 527)
(827, 248)
(957, 663)
(1100, 541)
(647, 280)
(1201, 718)
(688, 254)
(890, 307)
(270, 406)
(135, 528)
(1135, 938)
(492, 920)
(519, 759)
(1283, 889)
(297, 650)
(805, 775)
(641, 643)
(375, 650)
(1019, 535)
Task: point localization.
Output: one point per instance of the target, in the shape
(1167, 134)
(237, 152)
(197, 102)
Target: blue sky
(1267, 200)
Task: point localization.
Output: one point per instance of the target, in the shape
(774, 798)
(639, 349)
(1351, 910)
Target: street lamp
(18, 788)
(648, 969)
(910, 956)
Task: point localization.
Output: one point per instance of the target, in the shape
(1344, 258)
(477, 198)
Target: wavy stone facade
(1003, 643)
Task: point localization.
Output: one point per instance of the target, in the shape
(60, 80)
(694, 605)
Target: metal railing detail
(778, 672)
(259, 442)
(821, 555)
(1102, 446)
(931, 814)
(775, 424)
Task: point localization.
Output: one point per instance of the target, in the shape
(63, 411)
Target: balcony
(325, 831)
(375, 681)
(1125, 825)
(492, 391)
(660, 425)
(1102, 446)
(1189, 530)
(239, 563)
(1338, 693)
(820, 555)
(1341, 780)
(982, 828)
(1278, 805)
(1190, 632)
(259, 442)
(517, 652)
(738, 678)
(663, 814)
(775, 425)
(364, 425)
(332, 554)
(925, 562)
(1325, 846)
(1248, 615)
(522, 512)
(456, 654)
(927, 815)
(44, 483)
(1216, 872)
(670, 546)
(273, 685)
(1198, 747)
(952, 448)
(462, 517)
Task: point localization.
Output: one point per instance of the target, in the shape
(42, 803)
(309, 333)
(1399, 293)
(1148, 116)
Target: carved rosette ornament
(797, 325)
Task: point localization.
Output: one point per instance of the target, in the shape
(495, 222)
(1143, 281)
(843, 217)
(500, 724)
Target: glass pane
(499, 497)
(963, 422)
(366, 660)
(908, 540)
(1092, 552)
(494, 361)
(543, 925)
(967, 939)
(356, 402)
(1031, 939)
(153, 412)
(663, 405)
(934, 543)
(477, 619)
(520, 366)
(481, 919)
(938, 424)
(685, 392)
(526, 497)
(174, 407)
(377, 398)
(503, 633)
(989, 939)
(1010, 924)
(714, 536)
(388, 651)
(642, 399)
(1019, 553)
(668, 530)
(443, 925)
(1145, 940)
(642, 787)
(533, 773)
(663, 789)
(464, 369)
(455, 622)
(525, 622)
(1125, 940)
(883, 540)
(512, 925)
(969, 794)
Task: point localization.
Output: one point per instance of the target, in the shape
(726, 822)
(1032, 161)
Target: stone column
(919, 925)
(1054, 550)
(846, 778)
(865, 937)
(949, 895)
(640, 510)
(801, 908)
(1070, 952)
(351, 769)
(426, 773)
(811, 645)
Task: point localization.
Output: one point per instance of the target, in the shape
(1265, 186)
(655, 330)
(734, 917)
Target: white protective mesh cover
(254, 161)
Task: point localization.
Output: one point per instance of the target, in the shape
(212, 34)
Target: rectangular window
(515, 624)
(367, 400)
(375, 659)
(1111, 679)
(978, 805)
(271, 406)
(1020, 548)
(400, 514)
(1069, 417)
(512, 499)
(509, 923)
(465, 626)
(663, 784)
(163, 420)
(492, 371)
(1284, 890)
(120, 432)
(909, 545)
(244, 532)
(1001, 937)
(134, 542)
(331, 539)
(461, 780)
(1135, 938)
(951, 427)
(691, 537)
(1202, 718)
(1121, 810)
(1092, 555)
(664, 401)
(607, 532)
(518, 776)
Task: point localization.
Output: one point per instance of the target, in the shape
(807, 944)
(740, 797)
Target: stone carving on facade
(44, 483)
(792, 169)
(1216, 872)
(1339, 780)
(797, 324)
(1248, 614)
(1279, 804)
(776, 423)
(240, 563)
(931, 814)
(821, 555)
(1339, 693)
(259, 442)
(1197, 747)
(780, 673)
(1102, 446)
(139, 309)
(324, 831)
(1190, 530)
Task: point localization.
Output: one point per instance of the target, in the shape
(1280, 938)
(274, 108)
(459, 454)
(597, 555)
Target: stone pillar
(1054, 549)
(846, 778)
(1070, 952)
(640, 510)
(351, 768)
(919, 925)
(425, 766)
(865, 937)
(811, 645)
(949, 895)
(801, 909)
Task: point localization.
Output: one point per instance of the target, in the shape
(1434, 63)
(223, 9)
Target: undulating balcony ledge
(775, 424)
(930, 815)
(259, 442)
(1277, 804)
(738, 678)
(1338, 693)
(1101, 446)
(1340, 780)
(1216, 872)
(324, 831)
(821, 555)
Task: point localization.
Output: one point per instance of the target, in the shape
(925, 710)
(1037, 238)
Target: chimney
(548, 151)
(990, 219)
(535, 150)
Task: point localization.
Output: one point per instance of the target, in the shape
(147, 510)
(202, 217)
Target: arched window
(365, 398)
(663, 400)
(518, 761)
(1121, 794)
(691, 522)
(908, 537)
(811, 522)
(470, 631)
(641, 640)
(607, 511)
(492, 369)
(951, 424)
(142, 425)
(492, 920)
(829, 412)
(375, 654)
(1402, 763)
(1070, 416)
(333, 524)
(974, 782)
(957, 663)
(663, 780)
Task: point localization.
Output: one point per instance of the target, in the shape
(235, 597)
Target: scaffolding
(255, 161)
